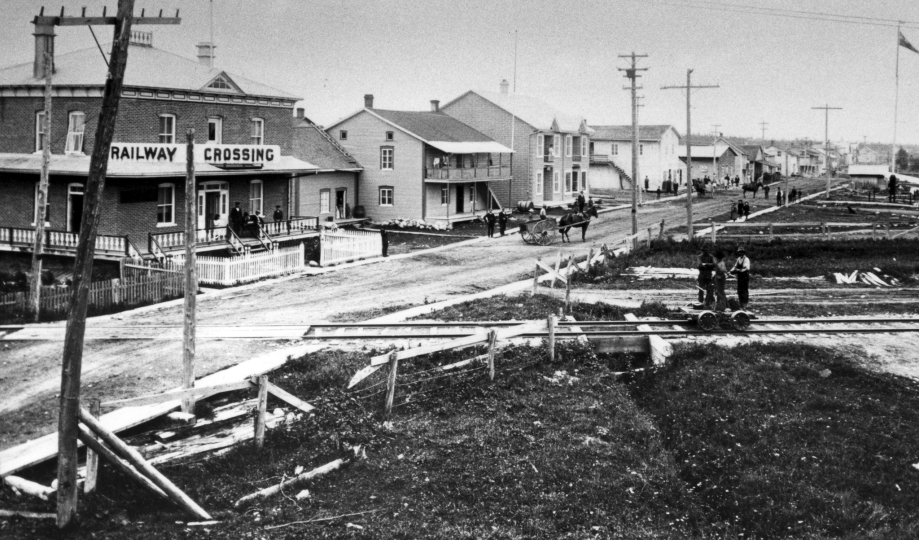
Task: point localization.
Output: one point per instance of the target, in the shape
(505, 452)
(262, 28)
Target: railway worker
(741, 269)
(721, 276)
(706, 284)
(502, 222)
(490, 223)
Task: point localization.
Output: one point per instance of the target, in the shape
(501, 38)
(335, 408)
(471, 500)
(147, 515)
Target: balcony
(454, 175)
(576, 157)
(548, 158)
(601, 159)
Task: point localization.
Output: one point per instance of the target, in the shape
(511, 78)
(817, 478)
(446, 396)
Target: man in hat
(502, 222)
(490, 223)
(581, 202)
(721, 300)
(236, 219)
(706, 283)
(741, 269)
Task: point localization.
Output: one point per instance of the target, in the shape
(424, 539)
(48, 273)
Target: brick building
(244, 139)
(423, 165)
(551, 159)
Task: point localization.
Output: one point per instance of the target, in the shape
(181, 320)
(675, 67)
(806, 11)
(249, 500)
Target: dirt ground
(30, 371)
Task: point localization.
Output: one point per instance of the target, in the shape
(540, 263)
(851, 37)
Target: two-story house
(611, 157)
(243, 136)
(423, 165)
(551, 159)
(785, 158)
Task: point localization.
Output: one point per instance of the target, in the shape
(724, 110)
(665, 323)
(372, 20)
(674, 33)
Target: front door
(460, 199)
(340, 198)
(213, 204)
(75, 208)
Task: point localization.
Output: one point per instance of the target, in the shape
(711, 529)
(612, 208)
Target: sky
(408, 52)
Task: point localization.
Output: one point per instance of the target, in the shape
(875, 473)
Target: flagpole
(896, 100)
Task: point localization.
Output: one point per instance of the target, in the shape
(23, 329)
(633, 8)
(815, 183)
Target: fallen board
(44, 448)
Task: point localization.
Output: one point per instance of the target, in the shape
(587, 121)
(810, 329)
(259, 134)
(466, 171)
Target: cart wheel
(740, 321)
(707, 321)
(544, 239)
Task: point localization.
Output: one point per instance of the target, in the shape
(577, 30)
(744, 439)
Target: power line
(803, 12)
(750, 10)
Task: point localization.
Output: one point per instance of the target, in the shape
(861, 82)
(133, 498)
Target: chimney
(206, 53)
(368, 101)
(504, 86)
(300, 112)
(44, 43)
(435, 105)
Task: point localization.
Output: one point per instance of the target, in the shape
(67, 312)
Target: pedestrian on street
(490, 223)
(793, 194)
(581, 202)
(741, 269)
(766, 192)
(706, 283)
(721, 276)
(384, 236)
(658, 193)
(746, 211)
(739, 208)
(502, 222)
(733, 213)
(778, 197)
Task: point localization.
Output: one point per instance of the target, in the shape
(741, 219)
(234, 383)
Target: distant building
(785, 158)
(715, 161)
(243, 152)
(611, 156)
(865, 155)
(551, 160)
(423, 165)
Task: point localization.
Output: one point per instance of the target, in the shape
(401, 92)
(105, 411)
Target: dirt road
(30, 371)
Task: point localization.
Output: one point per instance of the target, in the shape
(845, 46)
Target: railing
(247, 267)
(599, 158)
(346, 245)
(63, 240)
(292, 226)
(547, 158)
(576, 157)
(454, 173)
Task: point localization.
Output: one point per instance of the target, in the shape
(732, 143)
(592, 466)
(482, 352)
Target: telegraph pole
(631, 73)
(826, 142)
(40, 217)
(763, 125)
(715, 172)
(689, 88)
(191, 280)
(72, 363)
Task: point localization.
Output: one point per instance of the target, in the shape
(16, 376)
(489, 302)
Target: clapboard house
(243, 153)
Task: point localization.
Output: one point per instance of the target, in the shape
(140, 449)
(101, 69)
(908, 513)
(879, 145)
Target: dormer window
(220, 83)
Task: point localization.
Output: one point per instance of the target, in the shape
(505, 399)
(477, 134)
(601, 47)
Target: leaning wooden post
(261, 411)
(874, 231)
(191, 279)
(391, 381)
(714, 234)
(492, 338)
(92, 458)
(132, 456)
(42, 196)
(72, 364)
(649, 236)
(568, 292)
(825, 230)
(535, 280)
(550, 324)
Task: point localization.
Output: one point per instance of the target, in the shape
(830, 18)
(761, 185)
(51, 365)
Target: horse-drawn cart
(539, 231)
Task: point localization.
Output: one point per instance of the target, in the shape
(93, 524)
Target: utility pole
(715, 172)
(67, 426)
(191, 280)
(631, 73)
(826, 141)
(763, 125)
(689, 187)
(38, 244)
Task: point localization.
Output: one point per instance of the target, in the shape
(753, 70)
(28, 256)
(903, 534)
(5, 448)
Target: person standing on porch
(490, 223)
(502, 222)
(278, 214)
(236, 218)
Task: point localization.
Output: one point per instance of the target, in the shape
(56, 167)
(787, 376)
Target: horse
(576, 219)
(754, 187)
(699, 186)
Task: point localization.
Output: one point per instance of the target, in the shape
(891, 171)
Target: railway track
(452, 330)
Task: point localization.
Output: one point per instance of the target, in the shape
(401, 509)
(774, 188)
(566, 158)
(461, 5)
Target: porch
(250, 237)
(108, 247)
(458, 201)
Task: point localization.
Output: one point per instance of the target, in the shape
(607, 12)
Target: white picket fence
(348, 245)
(246, 268)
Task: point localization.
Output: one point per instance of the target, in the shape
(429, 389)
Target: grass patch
(526, 307)
(371, 313)
(774, 446)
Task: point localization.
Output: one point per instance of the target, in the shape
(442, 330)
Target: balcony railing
(576, 157)
(476, 173)
(66, 240)
(548, 158)
(272, 231)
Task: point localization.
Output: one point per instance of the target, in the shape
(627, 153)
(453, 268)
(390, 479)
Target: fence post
(92, 458)
(771, 234)
(391, 381)
(874, 231)
(492, 337)
(260, 414)
(823, 226)
(550, 325)
(115, 284)
(302, 254)
(535, 280)
(568, 288)
(888, 230)
(649, 237)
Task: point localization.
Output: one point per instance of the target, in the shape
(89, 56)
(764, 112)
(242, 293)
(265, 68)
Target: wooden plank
(289, 398)
(197, 392)
(43, 448)
(267, 492)
(92, 458)
(391, 382)
(554, 274)
(29, 487)
(28, 515)
(90, 440)
(260, 412)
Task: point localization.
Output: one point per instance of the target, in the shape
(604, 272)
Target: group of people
(491, 219)
(740, 210)
(793, 196)
(713, 274)
(243, 223)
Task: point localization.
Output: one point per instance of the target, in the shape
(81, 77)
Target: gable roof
(147, 67)
(624, 132)
(313, 144)
(704, 151)
(751, 150)
(539, 114)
